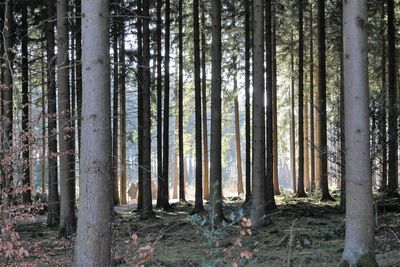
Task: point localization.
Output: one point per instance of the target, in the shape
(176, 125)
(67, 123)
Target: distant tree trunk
(139, 79)
(164, 203)
(176, 160)
(159, 105)
(43, 104)
(248, 6)
(122, 107)
(93, 239)
(180, 104)
(147, 208)
(293, 120)
(206, 186)
(269, 183)
(275, 107)
(197, 90)
(53, 200)
(323, 147)
(306, 146)
(259, 191)
(66, 132)
(238, 149)
(300, 181)
(312, 108)
(115, 107)
(383, 118)
(215, 154)
(360, 234)
(26, 195)
(393, 102)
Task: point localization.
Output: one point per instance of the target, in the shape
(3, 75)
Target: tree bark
(159, 105)
(139, 79)
(248, 6)
(238, 149)
(293, 119)
(93, 240)
(180, 86)
(306, 147)
(312, 108)
(360, 234)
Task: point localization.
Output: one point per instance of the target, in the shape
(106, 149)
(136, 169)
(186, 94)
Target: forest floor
(302, 232)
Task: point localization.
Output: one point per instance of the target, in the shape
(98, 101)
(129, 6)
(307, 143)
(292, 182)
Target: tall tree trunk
(269, 183)
(180, 104)
(206, 186)
(238, 149)
(323, 147)
(300, 181)
(147, 208)
(93, 239)
(159, 104)
(26, 195)
(306, 146)
(115, 120)
(122, 106)
(312, 108)
(66, 132)
(215, 153)
(393, 102)
(383, 118)
(53, 199)
(258, 186)
(139, 78)
(197, 89)
(360, 234)
(43, 104)
(164, 203)
(293, 119)
(248, 6)
(275, 106)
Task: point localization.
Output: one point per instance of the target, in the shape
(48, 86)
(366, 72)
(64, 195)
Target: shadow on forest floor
(302, 232)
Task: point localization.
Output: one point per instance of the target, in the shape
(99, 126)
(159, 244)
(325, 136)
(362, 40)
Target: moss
(364, 261)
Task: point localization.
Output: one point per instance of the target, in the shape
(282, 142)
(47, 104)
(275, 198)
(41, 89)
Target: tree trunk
(393, 102)
(312, 108)
(206, 186)
(159, 105)
(43, 146)
(269, 184)
(66, 133)
(115, 107)
(139, 79)
(293, 120)
(238, 149)
(180, 86)
(215, 153)
(323, 147)
(300, 181)
(360, 234)
(26, 195)
(248, 6)
(122, 107)
(147, 208)
(78, 69)
(306, 146)
(164, 203)
(93, 239)
(258, 192)
(197, 89)
(53, 199)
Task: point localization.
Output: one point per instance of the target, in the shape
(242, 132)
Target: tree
(359, 242)
(159, 103)
(312, 108)
(238, 147)
(93, 240)
(293, 118)
(197, 90)
(180, 107)
(147, 206)
(164, 203)
(248, 6)
(258, 186)
(66, 133)
(323, 148)
(215, 142)
(53, 202)
(300, 177)
(393, 102)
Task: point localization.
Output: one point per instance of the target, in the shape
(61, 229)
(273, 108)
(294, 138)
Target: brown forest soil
(302, 232)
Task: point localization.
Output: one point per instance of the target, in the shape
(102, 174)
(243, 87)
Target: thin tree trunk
(323, 147)
(238, 150)
(197, 89)
(206, 186)
(43, 146)
(26, 154)
(293, 120)
(306, 147)
(53, 199)
(215, 153)
(159, 105)
(180, 86)
(139, 78)
(360, 234)
(93, 239)
(66, 132)
(248, 6)
(312, 108)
